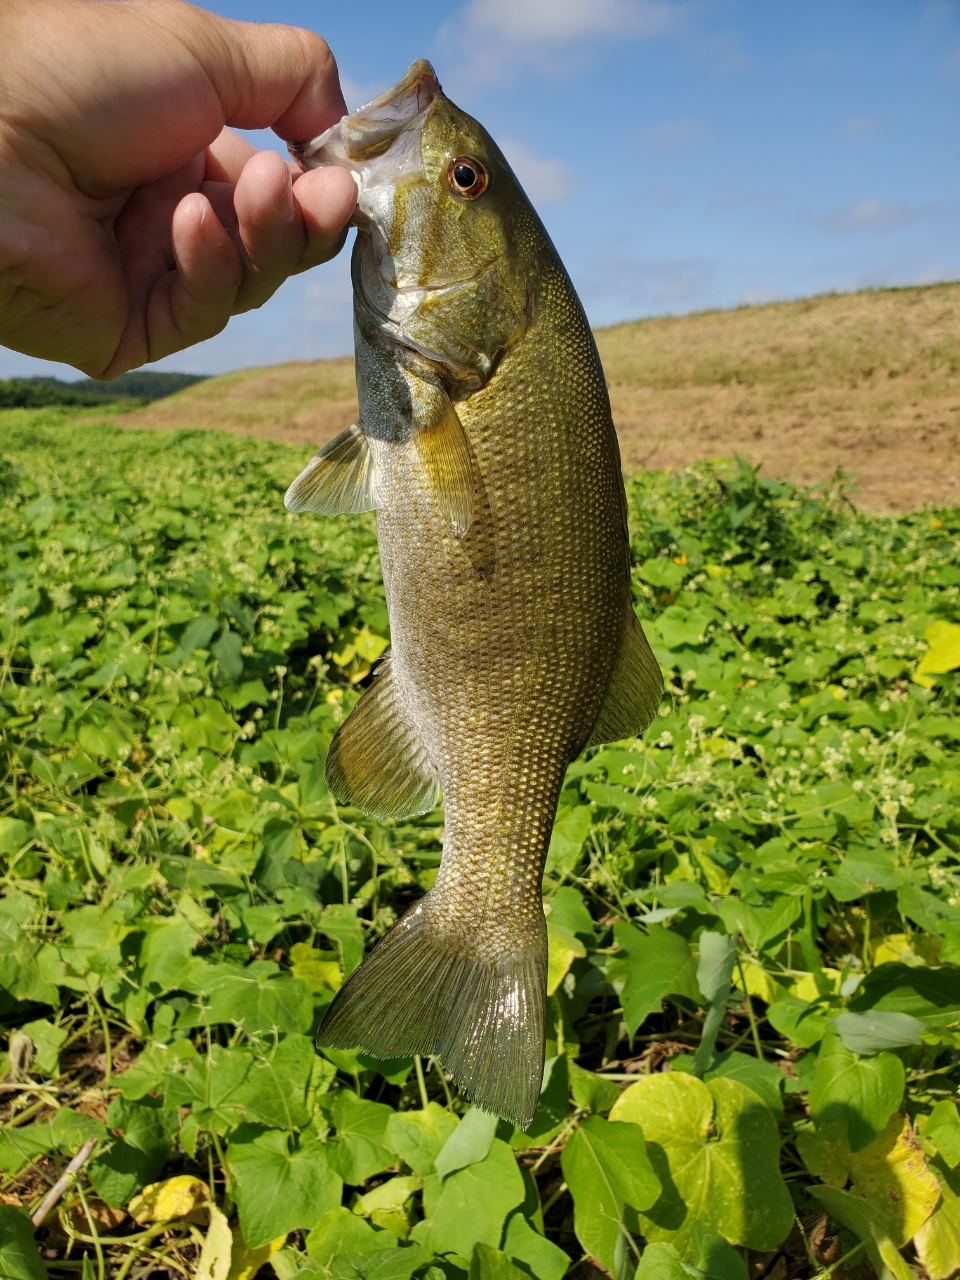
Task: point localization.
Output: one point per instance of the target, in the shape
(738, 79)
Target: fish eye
(467, 177)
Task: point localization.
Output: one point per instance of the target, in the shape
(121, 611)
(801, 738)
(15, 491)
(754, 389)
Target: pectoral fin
(634, 691)
(445, 454)
(376, 761)
(339, 479)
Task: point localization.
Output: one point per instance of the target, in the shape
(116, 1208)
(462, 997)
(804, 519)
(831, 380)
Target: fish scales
(501, 523)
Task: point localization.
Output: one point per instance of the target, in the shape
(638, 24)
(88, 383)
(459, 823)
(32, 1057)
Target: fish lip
(355, 137)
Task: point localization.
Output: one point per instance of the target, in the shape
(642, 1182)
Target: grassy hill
(869, 382)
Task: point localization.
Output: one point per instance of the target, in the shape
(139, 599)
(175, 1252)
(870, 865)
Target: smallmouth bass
(486, 446)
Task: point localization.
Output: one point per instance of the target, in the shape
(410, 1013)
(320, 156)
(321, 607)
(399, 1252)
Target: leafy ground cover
(753, 912)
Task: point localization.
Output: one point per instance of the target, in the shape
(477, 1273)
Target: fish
(486, 445)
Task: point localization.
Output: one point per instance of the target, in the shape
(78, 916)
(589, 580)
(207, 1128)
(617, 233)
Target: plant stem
(750, 1014)
(421, 1083)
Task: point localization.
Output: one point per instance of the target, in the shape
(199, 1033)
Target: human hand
(132, 223)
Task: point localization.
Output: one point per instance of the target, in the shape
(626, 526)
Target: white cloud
(489, 38)
(861, 126)
(872, 215)
(545, 181)
(672, 135)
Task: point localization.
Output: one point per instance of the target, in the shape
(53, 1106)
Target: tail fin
(421, 993)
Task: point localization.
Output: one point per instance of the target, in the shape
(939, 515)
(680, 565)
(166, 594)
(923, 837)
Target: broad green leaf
(532, 1251)
(340, 923)
(473, 1204)
(661, 1262)
(19, 1256)
(469, 1143)
(762, 1077)
(278, 1189)
(128, 1163)
(943, 1127)
(46, 1040)
(562, 949)
(605, 1165)
(357, 1151)
(567, 841)
(802, 1023)
(856, 1215)
(870, 1033)
(339, 1232)
(258, 998)
(931, 995)
(566, 910)
(592, 1092)
(488, 1263)
(417, 1137)
(228, 1087)
(715, 1149)
(659, 963)
(863, 1092)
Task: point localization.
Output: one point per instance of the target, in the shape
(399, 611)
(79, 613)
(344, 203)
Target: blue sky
(683, 154)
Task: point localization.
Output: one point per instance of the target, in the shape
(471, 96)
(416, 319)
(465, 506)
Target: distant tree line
(140, 386)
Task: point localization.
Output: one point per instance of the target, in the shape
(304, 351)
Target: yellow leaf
(943, 654)
(247, 1262)
(384, 1206)
(562, 949)
(717, 879)
(369, 645)
(891, 1175)
(805, 987)
(938, 1240)
(214, 1262)
(342, 656)
(163, 1201)
(319, 970)
(759, 983)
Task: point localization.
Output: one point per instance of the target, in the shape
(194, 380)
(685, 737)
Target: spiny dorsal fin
(377, 762)
(445, 454)
(338, 479)
(634, 691)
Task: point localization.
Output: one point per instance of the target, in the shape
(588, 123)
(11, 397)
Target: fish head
(440, 216)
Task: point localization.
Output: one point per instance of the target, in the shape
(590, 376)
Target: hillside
(868, 382)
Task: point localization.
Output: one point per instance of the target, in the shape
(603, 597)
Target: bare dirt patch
(866, 382)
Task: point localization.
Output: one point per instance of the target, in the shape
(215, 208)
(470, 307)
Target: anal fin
(376, 761)
(442, 445)
(337, 480)
(634, 691)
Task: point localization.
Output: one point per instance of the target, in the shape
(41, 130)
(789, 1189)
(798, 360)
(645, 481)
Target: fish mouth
(376, 127)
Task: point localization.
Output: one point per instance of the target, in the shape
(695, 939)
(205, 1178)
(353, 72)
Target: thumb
(265, 75)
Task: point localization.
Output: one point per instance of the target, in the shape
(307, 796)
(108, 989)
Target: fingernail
(211, 229)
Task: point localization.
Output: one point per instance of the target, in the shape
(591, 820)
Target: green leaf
(358, 1151)
(715, 1148)
(931, 995)
(258, 998)
(870, 1033)
(569, 835)
(228, 1087)
(473, 1204)
(605, 1165)
(943, 1127)
(278, 1190)
(489, 1263)
(659, 963)
(19, 1256)
(46, 1040)
(532, 1251)
(863, 1092)
(340, 923)
(417, 1137)
(592, 1092)
(132, 1161)
(762, 1077)
(469, 1143)
(802, 1023)
(552, 1107)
